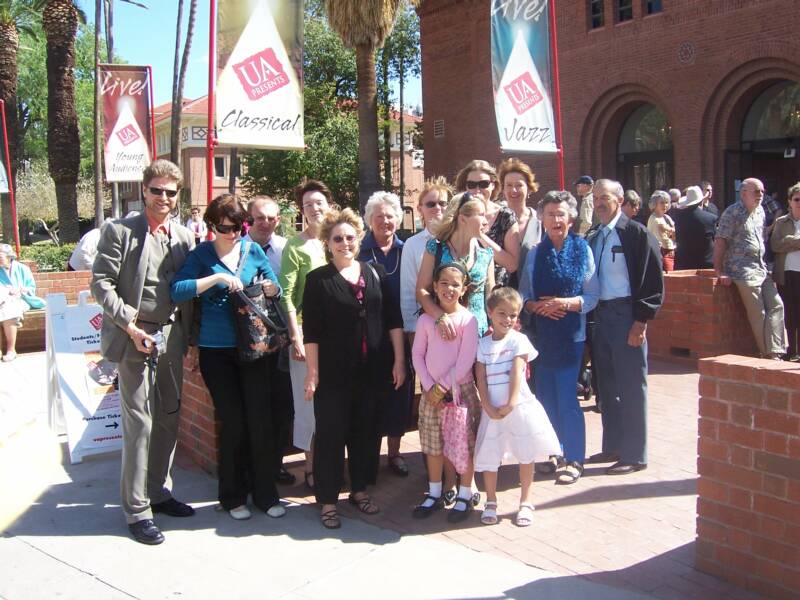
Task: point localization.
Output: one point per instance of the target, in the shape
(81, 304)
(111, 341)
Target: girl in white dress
(513, 423)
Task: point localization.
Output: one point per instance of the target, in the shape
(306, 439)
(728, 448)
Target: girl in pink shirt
(445, 371)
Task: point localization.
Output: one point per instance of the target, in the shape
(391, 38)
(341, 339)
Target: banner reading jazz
(259, 96)
(521, 76)
(125, 90)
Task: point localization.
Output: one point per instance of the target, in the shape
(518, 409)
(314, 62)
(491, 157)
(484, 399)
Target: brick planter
(197, 426)
(699, 318)
(748, 507)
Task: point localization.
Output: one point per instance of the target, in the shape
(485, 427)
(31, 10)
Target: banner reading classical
(521, 75)
(259, 94)
(129, 143)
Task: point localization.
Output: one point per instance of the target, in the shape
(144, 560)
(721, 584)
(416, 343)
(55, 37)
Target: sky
(147, 37)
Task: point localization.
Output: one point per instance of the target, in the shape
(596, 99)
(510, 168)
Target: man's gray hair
(658, 195)
(615, 187)
(557, 197)
(674, 194)
(379, 199)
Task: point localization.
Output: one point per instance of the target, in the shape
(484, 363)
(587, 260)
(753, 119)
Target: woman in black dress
(348, 314)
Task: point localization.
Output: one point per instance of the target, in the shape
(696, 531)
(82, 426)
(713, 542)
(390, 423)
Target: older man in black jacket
(629, 269)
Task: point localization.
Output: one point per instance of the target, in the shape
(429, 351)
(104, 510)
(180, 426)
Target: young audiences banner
(521, 75)
(126, 93)
(259, 91)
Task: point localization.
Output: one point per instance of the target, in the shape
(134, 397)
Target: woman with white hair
(17, 289)
(662, 227)
(381, 245)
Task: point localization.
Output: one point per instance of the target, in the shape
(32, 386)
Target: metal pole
(108, 5)
(557, 93)
(99, 217)
(212, 84)
(10, 175)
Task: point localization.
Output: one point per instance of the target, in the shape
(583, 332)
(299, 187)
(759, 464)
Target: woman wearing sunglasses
(350, 319)
(502, 233)
(239, 390)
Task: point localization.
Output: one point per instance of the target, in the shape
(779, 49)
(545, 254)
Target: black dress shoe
(423, 512)
(146, 532)
(173, 508)
(623, 468)
(284, 477)
(602, 457)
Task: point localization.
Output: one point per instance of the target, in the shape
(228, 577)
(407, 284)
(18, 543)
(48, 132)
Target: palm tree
(364, 25)
(179, 79)
(15, 16)
(60, 22)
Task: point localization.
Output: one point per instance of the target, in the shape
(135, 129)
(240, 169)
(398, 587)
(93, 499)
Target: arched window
(647, 129)
(644, 151)
(775, 114)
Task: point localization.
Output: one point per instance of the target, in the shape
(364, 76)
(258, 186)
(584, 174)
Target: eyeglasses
(157, 191)
(434, 204)
(483, 184)
(338, 239)
(227, 228)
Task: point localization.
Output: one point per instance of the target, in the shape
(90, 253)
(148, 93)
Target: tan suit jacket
(118, 277)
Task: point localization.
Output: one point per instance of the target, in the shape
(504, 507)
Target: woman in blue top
(239, 390)
(559, 286)
(457, 240)
(17, 289)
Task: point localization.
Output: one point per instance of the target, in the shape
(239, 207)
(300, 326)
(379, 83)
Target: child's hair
(504, 294)
(450, 265)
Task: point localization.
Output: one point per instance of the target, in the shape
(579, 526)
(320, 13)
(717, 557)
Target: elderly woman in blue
(239, 390)
(559, 286)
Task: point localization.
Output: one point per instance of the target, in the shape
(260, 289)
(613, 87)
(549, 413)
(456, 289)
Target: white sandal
(489, 514)
(524, 515)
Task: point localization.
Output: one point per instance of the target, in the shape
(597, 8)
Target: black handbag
(261, 324)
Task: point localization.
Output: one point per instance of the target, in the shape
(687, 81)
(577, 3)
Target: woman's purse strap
(243, 258)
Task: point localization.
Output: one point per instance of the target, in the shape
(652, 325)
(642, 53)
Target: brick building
(655, 93)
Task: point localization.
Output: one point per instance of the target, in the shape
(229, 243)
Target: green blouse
(300, 257)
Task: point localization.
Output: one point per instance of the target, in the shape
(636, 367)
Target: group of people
(466, 304)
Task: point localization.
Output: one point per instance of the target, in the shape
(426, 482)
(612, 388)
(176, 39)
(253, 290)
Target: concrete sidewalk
(70, 541)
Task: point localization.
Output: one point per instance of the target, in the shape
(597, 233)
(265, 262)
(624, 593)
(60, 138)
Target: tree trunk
(116, 209)
(175, 144)
(177, 101)
(387, 119)
(9, 43)
(60, 22)
(368, 178)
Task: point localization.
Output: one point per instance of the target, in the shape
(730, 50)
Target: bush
(48, 257)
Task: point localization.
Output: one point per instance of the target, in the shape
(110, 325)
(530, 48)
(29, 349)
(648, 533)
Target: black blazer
(333, 318)
(694, 238)
(643, 259)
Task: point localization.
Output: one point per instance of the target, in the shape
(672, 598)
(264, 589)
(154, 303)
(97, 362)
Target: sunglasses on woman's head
(227, 228)
(157, 191)
(338, 239)
(483, 184)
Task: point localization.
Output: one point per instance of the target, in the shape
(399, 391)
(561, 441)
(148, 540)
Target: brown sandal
(330, 519)
(365, 505)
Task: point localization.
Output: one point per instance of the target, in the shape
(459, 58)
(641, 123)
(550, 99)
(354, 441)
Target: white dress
(525, 434)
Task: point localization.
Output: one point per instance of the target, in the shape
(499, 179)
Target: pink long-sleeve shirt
(434, 358)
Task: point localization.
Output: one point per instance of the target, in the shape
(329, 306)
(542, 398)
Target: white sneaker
(240, 513)
(276, 511)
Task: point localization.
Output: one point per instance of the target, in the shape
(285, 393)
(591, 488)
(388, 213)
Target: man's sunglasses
(227, 228)
(157, 191)
(338, 239)
(434, 204)
(483, 184)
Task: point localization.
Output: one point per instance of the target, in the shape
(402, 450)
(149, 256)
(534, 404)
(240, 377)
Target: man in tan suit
(136, 260)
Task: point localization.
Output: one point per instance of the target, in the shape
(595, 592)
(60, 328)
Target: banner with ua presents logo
(521, 75)
(129, 145)
(259, 98)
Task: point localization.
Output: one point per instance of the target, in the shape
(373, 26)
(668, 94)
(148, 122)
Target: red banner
(127, 120)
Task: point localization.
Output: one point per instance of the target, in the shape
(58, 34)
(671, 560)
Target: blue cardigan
(216, 316)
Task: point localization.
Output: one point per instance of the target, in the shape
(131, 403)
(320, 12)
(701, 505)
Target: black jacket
(643, 258)
(333, 318)
(694, 238)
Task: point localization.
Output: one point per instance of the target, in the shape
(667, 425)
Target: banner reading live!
(125, 91)
(521, 75)
(259, 93)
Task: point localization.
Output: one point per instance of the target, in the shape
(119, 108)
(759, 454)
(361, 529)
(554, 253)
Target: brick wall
(197, 428)
(748, 507)
(699, 318)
